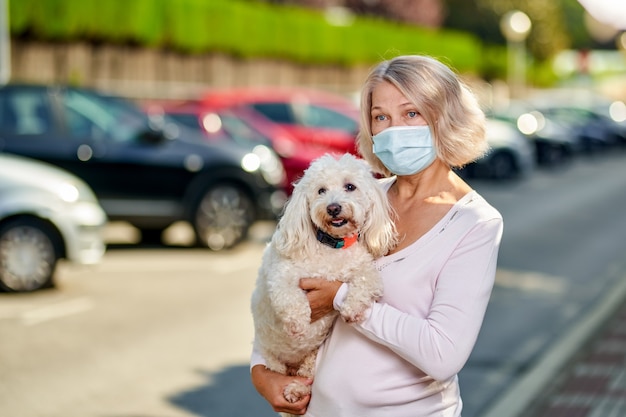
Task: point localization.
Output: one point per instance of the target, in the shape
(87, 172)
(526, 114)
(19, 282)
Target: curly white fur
(342, 198)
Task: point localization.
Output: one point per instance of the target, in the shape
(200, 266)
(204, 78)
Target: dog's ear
(379, 231)
(294, 227)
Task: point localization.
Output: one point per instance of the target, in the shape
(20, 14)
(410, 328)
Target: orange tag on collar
(350, 240)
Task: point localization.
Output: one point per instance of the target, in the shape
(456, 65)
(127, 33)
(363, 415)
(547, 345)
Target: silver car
(46, 214)
(512, 154)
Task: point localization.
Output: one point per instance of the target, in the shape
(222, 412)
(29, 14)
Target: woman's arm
(440, 343)
(271, 386)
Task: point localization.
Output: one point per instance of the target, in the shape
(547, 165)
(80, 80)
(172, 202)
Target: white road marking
(54, 311)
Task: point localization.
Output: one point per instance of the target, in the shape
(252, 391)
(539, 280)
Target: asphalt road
(563, 252)
(166, 331)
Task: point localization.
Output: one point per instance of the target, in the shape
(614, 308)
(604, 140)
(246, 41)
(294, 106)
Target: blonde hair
(448, 106)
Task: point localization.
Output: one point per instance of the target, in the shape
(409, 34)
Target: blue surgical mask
(405, 150)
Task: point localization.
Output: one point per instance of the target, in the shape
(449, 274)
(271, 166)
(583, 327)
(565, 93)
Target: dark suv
(148, 171)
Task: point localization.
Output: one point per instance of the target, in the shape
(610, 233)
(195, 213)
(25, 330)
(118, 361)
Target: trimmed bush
(241, 28)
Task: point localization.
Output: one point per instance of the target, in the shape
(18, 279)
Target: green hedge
(242, 28)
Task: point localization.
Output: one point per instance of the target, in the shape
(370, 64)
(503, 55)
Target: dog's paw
(353, 314)
(354, 318)
(295, 391)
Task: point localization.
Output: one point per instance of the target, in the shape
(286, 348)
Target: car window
(99, 119)
(318, 116)
(24, 113)
(240, 131)
(186, 119)
(276, 112)
(211, 124)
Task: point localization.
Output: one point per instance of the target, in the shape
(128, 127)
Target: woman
(418, 122)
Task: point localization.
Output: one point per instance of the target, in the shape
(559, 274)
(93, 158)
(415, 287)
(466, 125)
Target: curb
(528, 387)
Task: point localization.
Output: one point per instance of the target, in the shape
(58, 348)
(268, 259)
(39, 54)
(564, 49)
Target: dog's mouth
(338, 222)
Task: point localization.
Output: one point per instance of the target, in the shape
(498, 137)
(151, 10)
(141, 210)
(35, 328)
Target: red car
(243, 125)
(315, 117)
(300, 125)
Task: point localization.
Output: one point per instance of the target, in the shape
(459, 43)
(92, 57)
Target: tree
(557, 24)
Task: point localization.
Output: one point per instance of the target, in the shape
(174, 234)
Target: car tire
(223, 216)
(552, 155)
(29, 251)
(502, 166)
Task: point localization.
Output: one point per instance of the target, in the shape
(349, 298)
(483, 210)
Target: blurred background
(147, 148)
(171, 49)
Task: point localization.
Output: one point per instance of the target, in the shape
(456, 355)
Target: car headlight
(264, 159)
(250, 162)
(74, 191)
(617, 110)
(67, 192)
(530, 123)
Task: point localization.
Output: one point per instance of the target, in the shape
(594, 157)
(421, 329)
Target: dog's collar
(336, 243)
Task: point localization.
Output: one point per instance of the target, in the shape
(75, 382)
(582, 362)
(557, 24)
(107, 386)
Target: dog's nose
(333, 209)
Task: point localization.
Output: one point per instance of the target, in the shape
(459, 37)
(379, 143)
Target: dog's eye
(321, 191)
(350, 187)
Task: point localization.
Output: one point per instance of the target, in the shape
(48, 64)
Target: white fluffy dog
(336, 222)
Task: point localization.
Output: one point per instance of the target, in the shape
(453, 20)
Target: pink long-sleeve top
(403, 360)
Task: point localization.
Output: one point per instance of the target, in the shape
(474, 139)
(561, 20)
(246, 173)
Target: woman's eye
(379, 118)
(412, 114)
(321, 191)
(350, 187)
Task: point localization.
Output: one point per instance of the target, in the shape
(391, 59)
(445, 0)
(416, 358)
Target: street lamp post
(5, 43)
(515, 26)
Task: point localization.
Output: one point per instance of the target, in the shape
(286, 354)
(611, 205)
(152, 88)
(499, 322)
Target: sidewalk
(584, 375)
(593, 383)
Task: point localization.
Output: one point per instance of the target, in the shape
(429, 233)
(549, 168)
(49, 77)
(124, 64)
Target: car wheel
(502, 166)
(28, 255)
(553, 156)
(223, 217)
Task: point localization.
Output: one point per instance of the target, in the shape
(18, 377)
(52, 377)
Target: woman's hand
(271, 385)
(321, 294)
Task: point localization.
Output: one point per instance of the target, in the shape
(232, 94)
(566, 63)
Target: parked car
(46, 214)
(599, 120)
(615, 110)
(145, 170)
(512, 155)
(312, 116)
(244, 124)
(555, 141)
(596, 131)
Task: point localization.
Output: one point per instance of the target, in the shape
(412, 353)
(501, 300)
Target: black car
(596, 131)
(145, 170)
(555, 141)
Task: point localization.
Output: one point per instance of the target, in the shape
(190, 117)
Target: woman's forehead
(388, 94)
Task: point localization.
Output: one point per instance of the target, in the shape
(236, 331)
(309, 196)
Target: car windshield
(189, 120)
(98, 118)
(240, 131)
(318, 116)
(306, 114)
